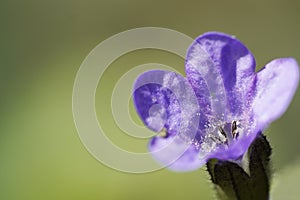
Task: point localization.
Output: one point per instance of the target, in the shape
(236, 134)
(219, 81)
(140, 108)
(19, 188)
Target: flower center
(220, 134)
(234, 132)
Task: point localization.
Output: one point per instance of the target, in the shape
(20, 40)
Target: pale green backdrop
(43, 44)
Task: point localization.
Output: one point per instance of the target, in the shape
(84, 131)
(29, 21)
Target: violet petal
(225, 64)
(165, 99)
(175, 154)
(275, 87)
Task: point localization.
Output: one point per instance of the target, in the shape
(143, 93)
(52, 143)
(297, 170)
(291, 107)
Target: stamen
(234, 129)
(163, 133)
(221, 130)
(217, 139)
(225, 133)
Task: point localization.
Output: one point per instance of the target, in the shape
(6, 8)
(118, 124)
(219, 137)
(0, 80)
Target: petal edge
(276, 85)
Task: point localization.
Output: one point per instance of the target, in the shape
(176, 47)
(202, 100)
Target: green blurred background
(43, 44)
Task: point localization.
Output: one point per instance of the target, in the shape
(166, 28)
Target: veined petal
(225, 65)
(206, 80)
(175, 154)
(275, 86)
(165, 99)
(151, 104)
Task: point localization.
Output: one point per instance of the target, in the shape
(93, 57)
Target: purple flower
(219, 108)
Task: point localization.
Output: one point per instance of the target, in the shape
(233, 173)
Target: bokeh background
(43, 44)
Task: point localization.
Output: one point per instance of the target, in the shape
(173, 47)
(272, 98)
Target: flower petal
(275, 87)
(237, 148)
(165, 99)
(224, 64)
(175, 154)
